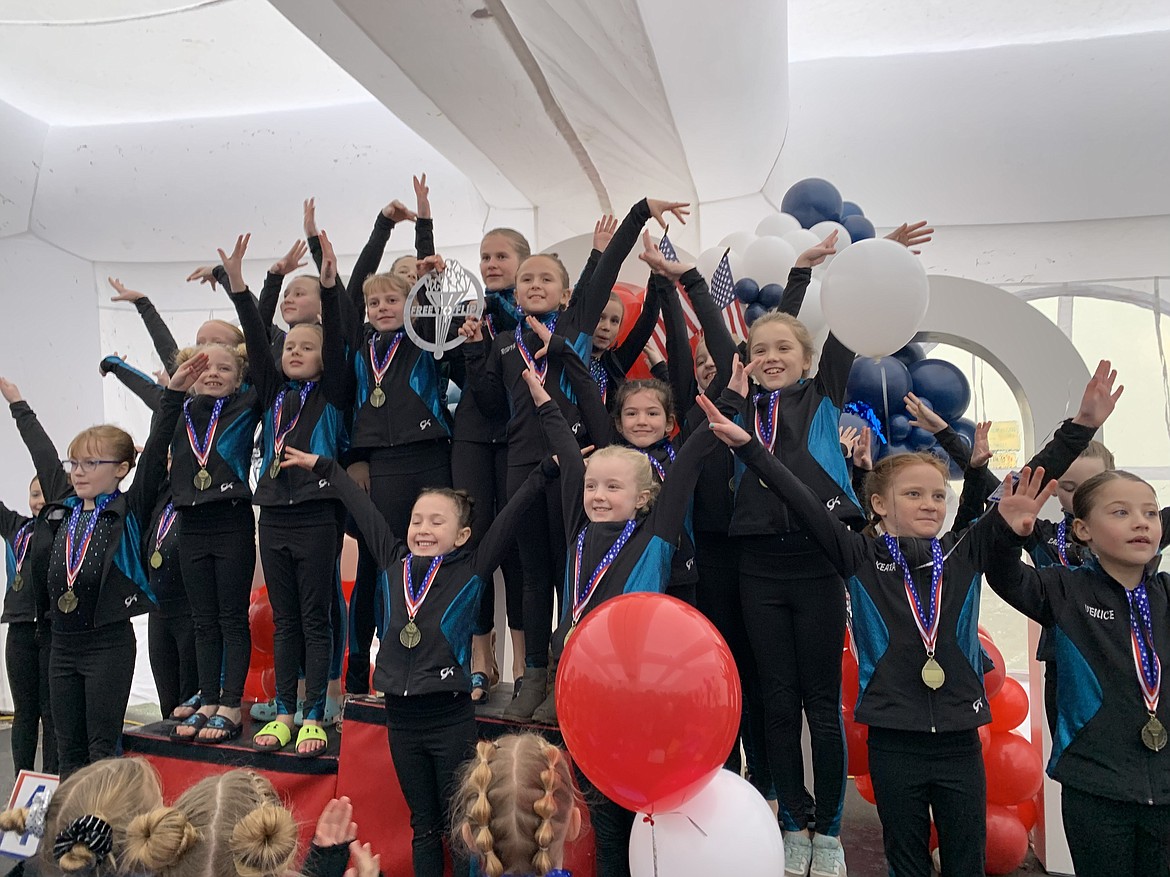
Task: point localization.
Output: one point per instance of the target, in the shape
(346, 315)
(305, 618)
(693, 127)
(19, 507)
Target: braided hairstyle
(87, 817)
(513, 805)
(229, 825)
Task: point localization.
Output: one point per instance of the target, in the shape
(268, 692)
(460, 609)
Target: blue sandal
(196, 721)
(231, 730)
(192, 703)
(481, 685)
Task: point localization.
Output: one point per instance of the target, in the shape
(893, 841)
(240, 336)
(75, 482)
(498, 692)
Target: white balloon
(823, 229)
(768, 260)
(811, 313)
(708, 260)
(738, 241)
(777, 225)
(735, 262)
(801, 240)
(727, 828)
(874, 297)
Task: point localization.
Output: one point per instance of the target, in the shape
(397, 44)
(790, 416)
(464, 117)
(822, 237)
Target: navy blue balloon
(770, 294)
(865, 384)
(953, 468)
(848, 208)
(859, 423)
(859, 228)
(945, 384)
(966, 430)
(899, 429)
(754, 312)
(896, 448)
(910, 354)
(747, 290)
(922, 400)
(920, 439)
(811, 201)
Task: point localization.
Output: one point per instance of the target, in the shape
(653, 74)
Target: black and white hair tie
(89, 831)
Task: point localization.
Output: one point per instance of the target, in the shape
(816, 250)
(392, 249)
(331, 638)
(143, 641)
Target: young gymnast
(430, 584)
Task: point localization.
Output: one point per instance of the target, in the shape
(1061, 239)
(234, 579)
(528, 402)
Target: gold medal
(410, 636)
(378, 397)
(156, 560)
(568, 633)
(67, 602)
(274, 469)
(202, 479)
(17, 582)
(932, 674)
(1154, 734)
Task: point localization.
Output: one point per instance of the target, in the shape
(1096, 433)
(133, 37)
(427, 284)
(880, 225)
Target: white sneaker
(828, 857)
(798, 851)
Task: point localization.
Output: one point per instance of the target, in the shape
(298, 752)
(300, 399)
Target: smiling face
(704, 367)
(1123, 524)
(301, 359)
(222, 376)
(301, 302)
(498, 262)
(612, 488)
(782, 358)
(541, 285)
(643, 419)
(915, 503)
(435, 527)
(36, 497)
(386, 301)
(606, 333)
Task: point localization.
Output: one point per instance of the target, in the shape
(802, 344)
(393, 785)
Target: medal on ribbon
(20, 546)
(926, 618)
(655, 464)
(380, 366)
(766, 422)
(202, 450)
(1062, 541)
(539, 367)
(279, 434)
(165, 521)
(600, 376)
(582, 593)
(1147, 664)
(410, 635)
(76, 551)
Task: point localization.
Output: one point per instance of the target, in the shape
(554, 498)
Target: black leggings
(427, 761)
(612, 825)
(1110, 838)
(28, 677)
(299, 564)
(397, 476)
(796, 628)
(171, 646)
(481, 469)
(916, 774)
(542, 557)
(217, 553)
(90, 674)
(717, 597)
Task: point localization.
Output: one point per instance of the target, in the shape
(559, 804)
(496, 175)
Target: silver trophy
(453, 292)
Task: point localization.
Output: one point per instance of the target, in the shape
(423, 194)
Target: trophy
(447, 294)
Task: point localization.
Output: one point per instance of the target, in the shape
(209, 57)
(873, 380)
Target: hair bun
(83, 842)
(264, 842)
(156, 840)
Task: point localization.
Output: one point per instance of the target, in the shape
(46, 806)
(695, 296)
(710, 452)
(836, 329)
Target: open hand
(981, 447)
(543, 332)
(1100, 398)
(234, 264)
(335, 825)
(1021, 502)
(294, 459)
(290, 261)
(603, 231)
(188, 373)
(921, 416)
(309, 219)
(813, 256)
(123, 294)
(204, 274)
(730, 433)
(659, 209)
(366, 864)
(739, 376)
(911, 235)
(863, 451)
(328, 262)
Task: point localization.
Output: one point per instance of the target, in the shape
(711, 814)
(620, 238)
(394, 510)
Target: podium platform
(356, 764)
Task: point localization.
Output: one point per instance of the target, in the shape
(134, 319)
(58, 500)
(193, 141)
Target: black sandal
(193, 703)
(196, 721)
(220, 722)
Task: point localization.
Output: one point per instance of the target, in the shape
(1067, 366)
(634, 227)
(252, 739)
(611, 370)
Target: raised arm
(564, 447)
(800, 276)
(674, 500)
(594, 414)
(139, 383)
(375, 248)
(262, 371)
(152, 462)
(274, 280)
(627, 353)
(46, 462)
(498, 539)
(337, 378)
(424, 224)
(160, 335)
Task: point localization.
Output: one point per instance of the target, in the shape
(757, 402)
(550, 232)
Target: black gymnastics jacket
(890, 652)
(125, 588)
(496, 376)
(441, 662)
(1097, 747)
(20, 604)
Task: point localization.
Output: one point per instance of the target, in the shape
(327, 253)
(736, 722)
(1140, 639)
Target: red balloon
(865, 787)
(985, 633)
(850, 685)
(260, 621)
(856, 739)
(1028, 813)
(1007, 841)
(985, 738)
(260, 685)
(993, 680)
(1014, 770)
(1009, 707)
(648, 700)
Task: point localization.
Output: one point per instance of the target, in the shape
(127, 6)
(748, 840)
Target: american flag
(721, 285)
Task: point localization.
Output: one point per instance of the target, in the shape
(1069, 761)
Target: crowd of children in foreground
(723, 481)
